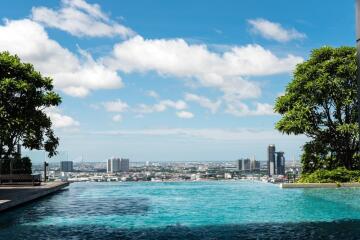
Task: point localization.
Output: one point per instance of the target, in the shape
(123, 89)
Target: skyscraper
(280, 163)
(244, 164)
(113, 165)
(271, 160)
(66, 166)
(239, 165)
(254, 166)
(124, 165)
(117, 165)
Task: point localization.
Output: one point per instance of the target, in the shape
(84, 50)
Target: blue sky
(171, 80)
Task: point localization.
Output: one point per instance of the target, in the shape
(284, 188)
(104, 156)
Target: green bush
(20, 166)
(340, 175)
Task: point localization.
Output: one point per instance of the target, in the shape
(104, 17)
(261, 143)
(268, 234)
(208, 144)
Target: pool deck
(14, 195)
(318, 185)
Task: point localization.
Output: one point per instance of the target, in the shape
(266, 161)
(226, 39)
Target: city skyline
(208, 97)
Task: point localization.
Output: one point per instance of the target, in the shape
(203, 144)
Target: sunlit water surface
(187, 210)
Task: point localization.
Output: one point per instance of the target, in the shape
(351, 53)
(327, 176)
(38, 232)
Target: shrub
(340, 175)
(20, 166)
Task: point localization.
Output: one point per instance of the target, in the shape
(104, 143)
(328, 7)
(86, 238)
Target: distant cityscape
(274, 169)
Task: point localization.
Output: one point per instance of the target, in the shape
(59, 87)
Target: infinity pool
(187, 210)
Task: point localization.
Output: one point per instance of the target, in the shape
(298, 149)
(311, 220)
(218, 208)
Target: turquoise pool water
(186, 210)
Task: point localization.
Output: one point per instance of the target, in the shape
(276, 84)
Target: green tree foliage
(340, 174)
(19, 166)
(24, 95)
(321, 103)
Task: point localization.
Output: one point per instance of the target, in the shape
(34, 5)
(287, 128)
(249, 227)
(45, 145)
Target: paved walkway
(13, 195)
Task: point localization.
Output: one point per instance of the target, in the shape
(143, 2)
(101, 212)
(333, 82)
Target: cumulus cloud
(153, 94)
(60, 120)
(117, 118)
(178, 58)
(240, 109)
(75, 75)
(161, 106)
(185, 114)
(213, 106)
(274, 31)
(226, 71)
(115, 106)
(80, 18)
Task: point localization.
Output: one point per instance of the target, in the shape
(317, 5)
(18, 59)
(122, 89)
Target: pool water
(187, 210)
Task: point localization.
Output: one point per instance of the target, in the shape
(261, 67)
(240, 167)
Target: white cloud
(240, 109)
(203, 101)
(185, 114)
(153, 94)
(274, 31)
(178, 58)
(117, 118)
(225, 71)
(80, 18)
(178, 105)
(115, 106)
(207, 133)
(74, 75)
(59, 120)
(78, 74)
(161, 106)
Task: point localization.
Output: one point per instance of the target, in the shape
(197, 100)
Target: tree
(321, 103)
(24, 96)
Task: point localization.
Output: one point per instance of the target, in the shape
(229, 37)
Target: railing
(35, 179)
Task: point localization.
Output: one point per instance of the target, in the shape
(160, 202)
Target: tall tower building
(271, 160)
(108, 166)
(255, 165)
(247, 164)
(239, 164)
(124, 165)
(244, 165)
(66, 166)
(280, 163)
(115, 165)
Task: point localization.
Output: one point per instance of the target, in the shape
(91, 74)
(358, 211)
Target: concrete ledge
(12, 196)
(318, 185)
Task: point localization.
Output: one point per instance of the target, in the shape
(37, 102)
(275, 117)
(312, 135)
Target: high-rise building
(124, 165)
(271, 160)
(108, 166)
(280, 163)
(276, 161)
(246, 164)
(117, 165)
(66, 166)
(243, 164)
(113, 165)
(255, 166)
(239, 165)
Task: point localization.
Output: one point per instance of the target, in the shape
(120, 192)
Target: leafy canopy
(24, 95)
(340, 174)
(321, 103)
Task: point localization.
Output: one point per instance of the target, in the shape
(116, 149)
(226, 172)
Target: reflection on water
(188, 210)
(316, 230)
